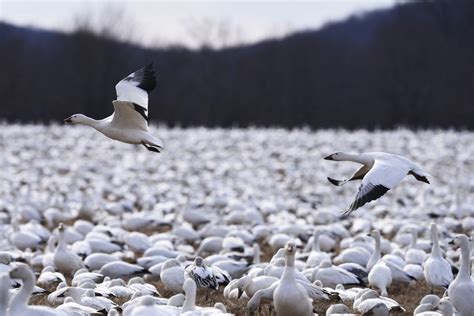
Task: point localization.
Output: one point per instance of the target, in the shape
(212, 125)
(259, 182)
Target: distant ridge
(409, 65)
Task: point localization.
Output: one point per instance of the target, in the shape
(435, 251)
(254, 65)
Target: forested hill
(412, 65)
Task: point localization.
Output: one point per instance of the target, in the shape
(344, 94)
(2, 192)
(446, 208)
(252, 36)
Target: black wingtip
(148, 83)
(336, 182)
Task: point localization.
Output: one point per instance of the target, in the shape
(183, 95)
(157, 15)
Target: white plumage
(129, 122)
(380, 172)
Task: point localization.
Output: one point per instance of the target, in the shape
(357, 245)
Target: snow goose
(316, 256)
(96, 261)
(87, 297)
(201, 274)
(413, 254)
(19, 303)
(129, 122)
(50, 277)
(249, 285)
(461, 289)
(446, 307)
(148, 307)
(66, 261)
(427, 304)
(22, 239)
(69, 307)
(397, 273)
(370, 300)
(137, 284)
(120, 269)
(331, 275)
(172, 275)
(336, 309)
(379, 173)
(436, 269)
(290, 296)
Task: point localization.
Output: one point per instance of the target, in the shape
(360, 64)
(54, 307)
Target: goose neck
(4, 295)
(435, 250)
(289, 270)
(97, 124)
(189, 301)
(360, 158)
(464, 272)
(316, 242)
(23, 296)
(375, 255)
(62, 241)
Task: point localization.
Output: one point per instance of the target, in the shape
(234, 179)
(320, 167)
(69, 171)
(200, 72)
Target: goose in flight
(129, 122)
(379, 173)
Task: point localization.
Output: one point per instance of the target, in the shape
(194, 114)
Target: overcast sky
(189, 23)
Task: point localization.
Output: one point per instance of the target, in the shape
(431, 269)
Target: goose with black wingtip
(129, 122)
(379, 173)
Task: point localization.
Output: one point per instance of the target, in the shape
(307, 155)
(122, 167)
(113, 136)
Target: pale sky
(189, 23)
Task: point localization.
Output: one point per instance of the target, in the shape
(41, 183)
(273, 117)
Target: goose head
(335, 157)
(76, 119)
(290, 248)
(460, 240)
(243, 283)
(5, 257)
(61, 227)
(445, 306)
(20, 271)
(198, 261)
(374, 233)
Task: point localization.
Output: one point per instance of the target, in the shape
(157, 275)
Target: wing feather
(136, 86)
(381, 178)
(126, 116)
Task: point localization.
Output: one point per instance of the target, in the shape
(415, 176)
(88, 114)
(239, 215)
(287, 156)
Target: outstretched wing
(131, 106)
(359, 174)
(126, 116)
(135, 88)
(381, 178)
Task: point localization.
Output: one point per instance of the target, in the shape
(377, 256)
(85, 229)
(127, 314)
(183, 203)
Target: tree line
(411, 65)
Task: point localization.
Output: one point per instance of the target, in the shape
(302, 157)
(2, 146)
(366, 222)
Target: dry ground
(407, 296)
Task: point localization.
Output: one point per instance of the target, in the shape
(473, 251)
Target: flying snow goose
(19, 303)
(461, 290)
(129, 122)
(380, 172)
(436, 269)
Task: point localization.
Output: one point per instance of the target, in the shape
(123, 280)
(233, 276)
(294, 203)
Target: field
(262, 186)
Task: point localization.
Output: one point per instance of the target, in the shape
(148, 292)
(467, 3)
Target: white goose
(19, 303)
(380, 172)
(202, 275)
(461, 290)
(316, 256)
(66, 261)
(436, 269)
(291, 296)
(397, 273)
(129, 122)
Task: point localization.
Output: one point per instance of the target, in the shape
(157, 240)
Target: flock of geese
(143, 239)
